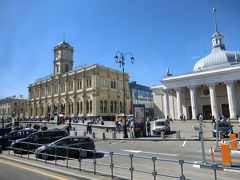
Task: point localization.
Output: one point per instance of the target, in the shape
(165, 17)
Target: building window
(105, 106)
(81, 107)
(115, 106)
(79, 84)
(121, 107)
(101, 106)
(78, 108)
(89, 82)
(90, 106)
(87, 107)
(113, 84)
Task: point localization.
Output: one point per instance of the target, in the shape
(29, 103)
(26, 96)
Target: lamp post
(3, 112)
(120, 59)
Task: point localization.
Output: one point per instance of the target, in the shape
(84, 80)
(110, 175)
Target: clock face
(67, 55)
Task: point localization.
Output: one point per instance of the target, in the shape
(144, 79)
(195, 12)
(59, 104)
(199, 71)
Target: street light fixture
(120, 59)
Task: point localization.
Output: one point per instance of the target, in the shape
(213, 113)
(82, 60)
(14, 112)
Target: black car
(224, 128)
(8, 138)
(37, 139)
(71, 146)
(4, 131)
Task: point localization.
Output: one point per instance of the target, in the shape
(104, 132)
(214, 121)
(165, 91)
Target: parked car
(37, 139)
(7, 139)
(68, 146)
(161, 125)
(4, 131)
(224, 128)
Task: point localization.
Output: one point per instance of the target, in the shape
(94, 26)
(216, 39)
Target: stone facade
(13, 106)
(90, 91)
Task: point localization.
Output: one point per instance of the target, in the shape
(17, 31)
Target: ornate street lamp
(120, 59)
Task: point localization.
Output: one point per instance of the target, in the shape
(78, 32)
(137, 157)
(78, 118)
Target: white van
(161, 125)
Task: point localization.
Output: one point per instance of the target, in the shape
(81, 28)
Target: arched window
(105, 106)
(115, 106)
(87, 105)
(101, 106)
(90, 106)
(69, 107)
(121, 107)
(81, 107)
(78, 108)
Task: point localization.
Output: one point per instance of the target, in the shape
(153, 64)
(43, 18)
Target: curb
(50, 169)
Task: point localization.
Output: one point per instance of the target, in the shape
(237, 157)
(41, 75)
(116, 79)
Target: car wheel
(44, 156)
(83, 154)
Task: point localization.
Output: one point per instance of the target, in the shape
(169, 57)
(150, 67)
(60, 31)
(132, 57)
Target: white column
(179, 102)
(193, 101)
(213, 99)
(165, 103)
(231, 99)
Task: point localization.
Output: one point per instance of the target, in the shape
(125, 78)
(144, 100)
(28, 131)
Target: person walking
(148, 128)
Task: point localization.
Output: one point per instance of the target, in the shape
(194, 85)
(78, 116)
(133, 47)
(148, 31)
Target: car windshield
(160, 123)
(223, 125)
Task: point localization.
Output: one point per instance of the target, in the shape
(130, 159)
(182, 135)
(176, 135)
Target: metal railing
(154, 171)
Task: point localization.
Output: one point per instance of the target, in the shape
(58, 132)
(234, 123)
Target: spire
(215, 19)
(217, 37)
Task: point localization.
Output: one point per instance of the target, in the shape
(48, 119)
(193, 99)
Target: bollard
(75, 133)
(103, 135)
(233, 142)
(93, 135)
(162, 135)
(84, 134)
(226, 154)
(114, 135)
(178, 135)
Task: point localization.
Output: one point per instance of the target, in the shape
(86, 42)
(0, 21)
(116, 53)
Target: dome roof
(63, 43)
(218, 57)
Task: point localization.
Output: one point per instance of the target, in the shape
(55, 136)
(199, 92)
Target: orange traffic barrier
(233, 142)
(226, 154)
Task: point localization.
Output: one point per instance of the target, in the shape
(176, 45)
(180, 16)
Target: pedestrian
(184, 117)
(148, 128)
(213, 120)
(181, 117)
(170, 118)
(88, 126)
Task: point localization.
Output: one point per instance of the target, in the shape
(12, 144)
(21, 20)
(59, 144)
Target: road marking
(116, 142)
(133, 151)
(184, 143)
(144, 152)
(33, 170)
(164, 154)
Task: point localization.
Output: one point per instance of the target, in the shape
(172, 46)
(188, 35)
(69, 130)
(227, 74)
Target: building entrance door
(225, 110)
(190, 112)
(207, 111)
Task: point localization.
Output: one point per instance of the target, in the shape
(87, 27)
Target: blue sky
(159, 33)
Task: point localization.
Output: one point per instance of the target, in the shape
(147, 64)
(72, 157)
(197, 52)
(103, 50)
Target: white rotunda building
(212, 89)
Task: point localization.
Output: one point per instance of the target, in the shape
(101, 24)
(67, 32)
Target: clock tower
(63, 58)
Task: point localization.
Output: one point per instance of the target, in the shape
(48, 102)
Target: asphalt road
(143, 151)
